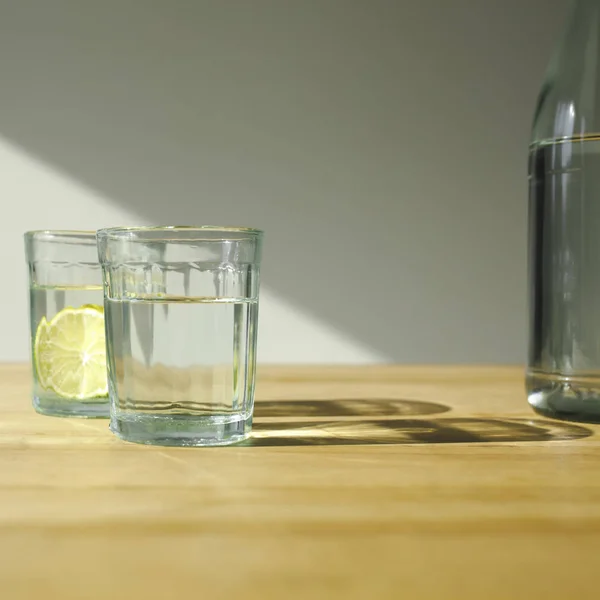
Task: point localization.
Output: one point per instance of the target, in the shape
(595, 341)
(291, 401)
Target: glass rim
(50, 233)
(129, 232)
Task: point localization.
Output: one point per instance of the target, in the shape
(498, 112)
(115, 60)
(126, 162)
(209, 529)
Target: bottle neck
(569, 101)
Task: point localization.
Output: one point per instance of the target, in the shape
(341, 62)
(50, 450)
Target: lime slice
(42, 365)
(70, 353)
(97, 307)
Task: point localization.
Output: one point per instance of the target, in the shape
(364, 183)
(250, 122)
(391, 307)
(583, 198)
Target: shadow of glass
(412, 431)
(352, 407)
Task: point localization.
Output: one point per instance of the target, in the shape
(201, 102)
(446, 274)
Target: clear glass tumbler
(68, 351)
(181, 308)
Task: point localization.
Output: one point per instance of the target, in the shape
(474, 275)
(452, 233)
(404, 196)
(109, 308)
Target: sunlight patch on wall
(35, 196)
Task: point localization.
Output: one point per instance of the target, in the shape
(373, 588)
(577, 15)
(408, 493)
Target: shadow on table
(354, 407)
(412, 431)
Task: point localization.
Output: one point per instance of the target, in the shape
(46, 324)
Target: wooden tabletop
(376, 482)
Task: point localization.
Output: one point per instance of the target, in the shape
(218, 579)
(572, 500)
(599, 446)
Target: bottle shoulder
(569, 100)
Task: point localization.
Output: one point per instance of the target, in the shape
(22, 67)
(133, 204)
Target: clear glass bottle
(563, 373)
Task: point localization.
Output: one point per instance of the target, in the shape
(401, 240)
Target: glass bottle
(563, 371)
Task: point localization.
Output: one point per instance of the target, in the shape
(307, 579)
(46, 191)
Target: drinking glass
(181, 308)
(67, 324)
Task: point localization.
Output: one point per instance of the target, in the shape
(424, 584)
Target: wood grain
(373, 482)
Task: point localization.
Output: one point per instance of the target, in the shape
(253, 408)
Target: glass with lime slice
(67, 324)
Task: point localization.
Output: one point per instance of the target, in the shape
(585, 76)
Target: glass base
(568, 399)
(181, 430)
(96, 408)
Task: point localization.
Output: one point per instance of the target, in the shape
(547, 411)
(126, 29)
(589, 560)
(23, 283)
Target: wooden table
(375, 482)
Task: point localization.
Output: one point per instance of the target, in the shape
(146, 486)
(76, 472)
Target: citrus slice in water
(42, 366)
(70, 353)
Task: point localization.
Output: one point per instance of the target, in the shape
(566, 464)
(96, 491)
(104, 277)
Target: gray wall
(381, 144)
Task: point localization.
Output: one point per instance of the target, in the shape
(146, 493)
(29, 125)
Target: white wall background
(380, 143)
